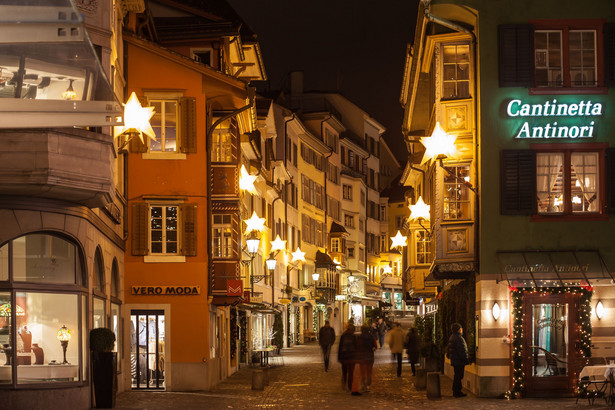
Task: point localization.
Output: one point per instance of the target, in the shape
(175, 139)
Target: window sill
(163, 155)
(164, 259)
(569, 218)
(567, 90)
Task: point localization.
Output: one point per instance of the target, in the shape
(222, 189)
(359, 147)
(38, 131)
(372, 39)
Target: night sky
(355, 47)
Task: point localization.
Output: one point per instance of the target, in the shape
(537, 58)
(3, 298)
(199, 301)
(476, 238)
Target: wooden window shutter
(140, 230)
(516, 55)
(609, 54)
(187, 108)
(518, 182)
(610, 180)
(189, 243)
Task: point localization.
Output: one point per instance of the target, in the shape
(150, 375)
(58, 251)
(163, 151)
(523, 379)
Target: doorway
(147, 354)
(550, 356)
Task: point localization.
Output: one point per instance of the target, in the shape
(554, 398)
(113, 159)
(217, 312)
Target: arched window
(99, 272)
(115, 280)
(99, 311)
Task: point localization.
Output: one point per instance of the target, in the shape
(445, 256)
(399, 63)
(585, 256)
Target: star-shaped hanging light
(136, 119)
(278, 244)
(246, 181)
(298, 256)
(398, 240)
(386, 269)
(254, 223)
(419, 210)
(440, 145)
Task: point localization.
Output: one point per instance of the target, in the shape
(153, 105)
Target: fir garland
(243, 328)
(584, 337)
(288, 331)
(234, 333)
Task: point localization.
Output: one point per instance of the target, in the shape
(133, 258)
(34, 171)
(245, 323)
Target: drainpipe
(251, 93)
(286, 148)
(461, 29)
(322, 135)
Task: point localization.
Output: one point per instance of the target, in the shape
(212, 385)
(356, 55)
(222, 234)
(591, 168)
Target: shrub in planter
(104, 367)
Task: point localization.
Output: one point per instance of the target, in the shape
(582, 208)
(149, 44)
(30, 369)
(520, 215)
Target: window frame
(163, 102)
(460, 185)
(422, 236)
(565, 27)
(165, 205)
(456, 81)
(215, 226)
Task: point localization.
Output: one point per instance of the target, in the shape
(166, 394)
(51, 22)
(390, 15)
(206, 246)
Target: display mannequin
(39, 355)
(26, 337)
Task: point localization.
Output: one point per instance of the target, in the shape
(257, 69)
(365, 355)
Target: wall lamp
(599, 310)
(496, 311)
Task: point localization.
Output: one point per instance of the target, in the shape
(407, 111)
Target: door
(147, 354)
(550, 344)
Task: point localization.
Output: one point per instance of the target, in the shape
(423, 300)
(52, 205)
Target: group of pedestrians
(359, 350)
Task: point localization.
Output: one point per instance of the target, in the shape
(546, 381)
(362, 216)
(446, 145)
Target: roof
(337, 228)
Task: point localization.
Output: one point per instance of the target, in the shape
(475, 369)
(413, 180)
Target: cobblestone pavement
(303, 383)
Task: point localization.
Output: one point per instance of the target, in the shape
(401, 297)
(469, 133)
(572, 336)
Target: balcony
(69, 164)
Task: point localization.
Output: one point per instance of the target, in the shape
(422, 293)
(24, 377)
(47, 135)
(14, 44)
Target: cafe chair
(589, 390)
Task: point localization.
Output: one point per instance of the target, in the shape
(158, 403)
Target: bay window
(456, 193)
(222, 236)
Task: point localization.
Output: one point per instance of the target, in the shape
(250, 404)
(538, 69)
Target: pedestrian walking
(412, 348)
(365, 355)
(326, 338)
(382, 330)
(457, 351)
(373, 330)
(396, 344)
(347, 356)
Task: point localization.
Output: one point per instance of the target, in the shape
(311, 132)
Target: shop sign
(430, 307)
(165, 290)
(234, 287)
(574, 115)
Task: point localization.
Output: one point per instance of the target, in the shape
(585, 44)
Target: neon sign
(583, 109)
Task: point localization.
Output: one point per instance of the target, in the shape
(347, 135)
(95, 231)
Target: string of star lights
(584, 328)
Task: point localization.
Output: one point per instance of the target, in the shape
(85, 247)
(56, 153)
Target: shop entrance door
(147, 357)
(550, 344)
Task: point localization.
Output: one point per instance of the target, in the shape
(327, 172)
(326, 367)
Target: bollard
(433, 385)
(266, 375)
(420, 382)
(258, 380)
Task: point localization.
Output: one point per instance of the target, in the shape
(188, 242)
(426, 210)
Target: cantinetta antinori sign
(534, 115)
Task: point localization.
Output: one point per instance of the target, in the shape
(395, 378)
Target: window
(384, 241)
(363, 197)
(399, 221)
(351, 252)
(423, 245)
(557, 54)
(335, 245)
(333, 208)
(222, 236)
(221, 145)
(164, 124)
(163, 230)
(202, 56)
(580, 55)
(347, 192)
(572, 180)
(383, 213)
(456, 193)
(361, 225)
(349, 221)
(567, 182)
(455, 71)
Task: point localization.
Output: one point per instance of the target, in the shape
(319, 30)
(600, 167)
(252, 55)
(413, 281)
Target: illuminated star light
(298, 256)
(399, 240)
(254, 223)
(136, 119)
(246, 181)
(419, 210)
(278, 244)
(440, 143)
(386, 269)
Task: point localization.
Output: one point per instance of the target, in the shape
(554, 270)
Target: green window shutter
(516, 55)
(518, 182)
(187, 107)
(189, 243)
(140, 229)
(610, 180)
(609, 54)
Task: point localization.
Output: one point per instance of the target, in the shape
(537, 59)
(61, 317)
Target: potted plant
(104, 367)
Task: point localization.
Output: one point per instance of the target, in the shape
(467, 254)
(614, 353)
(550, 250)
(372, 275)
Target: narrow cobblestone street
(303, 383)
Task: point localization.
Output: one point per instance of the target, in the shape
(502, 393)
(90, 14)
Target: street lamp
(252, 244)
(271, 262)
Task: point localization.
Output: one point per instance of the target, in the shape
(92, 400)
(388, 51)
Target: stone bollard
(258, 380)
(433, 385)
(420, 382)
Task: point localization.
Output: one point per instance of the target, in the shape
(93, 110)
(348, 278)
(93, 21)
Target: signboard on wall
(165, 290)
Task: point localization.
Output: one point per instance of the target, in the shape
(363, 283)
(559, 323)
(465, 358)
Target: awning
(554, 268)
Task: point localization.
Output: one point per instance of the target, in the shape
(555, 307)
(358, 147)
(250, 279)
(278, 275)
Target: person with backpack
(347, 356)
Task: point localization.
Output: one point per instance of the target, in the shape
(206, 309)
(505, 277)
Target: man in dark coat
(412, 347)
(366, 344)
(347, 356)
(458, 353)
(326, 338)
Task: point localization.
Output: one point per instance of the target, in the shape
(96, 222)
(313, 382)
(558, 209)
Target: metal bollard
(420, 382)
(258, 380)
(433, 385)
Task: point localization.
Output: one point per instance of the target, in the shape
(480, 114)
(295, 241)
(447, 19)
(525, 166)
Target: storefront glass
(6, 370)
(550, 339)
(98, 313)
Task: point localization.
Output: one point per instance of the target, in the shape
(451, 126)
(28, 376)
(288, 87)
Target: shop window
(456, 193)
(222, 236)
(423, 247)
(98, 313)
(558, 181)
(6, 317)
(117, 328)
(4, 262)
(556, 54)
(455, 71)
